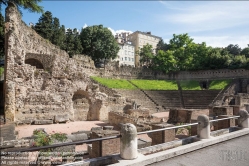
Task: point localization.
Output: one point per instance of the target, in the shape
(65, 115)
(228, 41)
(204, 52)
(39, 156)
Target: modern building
(139, 39)
(126, 54)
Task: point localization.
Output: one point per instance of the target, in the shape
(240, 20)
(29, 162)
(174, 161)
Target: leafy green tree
(164, 61)
(44, 27)
(162, 46)
(31, 5)
(182, 46)
(98, 43)
(146, 55)
(233, 49)
(245, 52)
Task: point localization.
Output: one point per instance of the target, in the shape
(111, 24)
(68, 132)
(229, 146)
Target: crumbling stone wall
(41, 81)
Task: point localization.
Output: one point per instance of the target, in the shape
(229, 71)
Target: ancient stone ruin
(43, 85)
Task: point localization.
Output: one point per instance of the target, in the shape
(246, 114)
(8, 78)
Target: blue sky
(218, 23)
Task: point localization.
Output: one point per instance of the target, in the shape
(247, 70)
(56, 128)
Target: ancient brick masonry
(42, 82)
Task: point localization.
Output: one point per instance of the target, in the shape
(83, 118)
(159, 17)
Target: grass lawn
(190, 85)
(155, 84)
(1, 70)
(218, 84)
(114, 83)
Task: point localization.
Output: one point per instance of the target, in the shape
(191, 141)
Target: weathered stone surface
(128, 142)
(77, 137)
(108, 127)
(43, 83)
(61, 118)
(43, 122)
(105, 147)
(162, 136)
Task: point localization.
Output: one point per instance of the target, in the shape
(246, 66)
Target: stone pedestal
(128, 142)
(203, 127)
(243, 120)
(162, 136)
(105, 147)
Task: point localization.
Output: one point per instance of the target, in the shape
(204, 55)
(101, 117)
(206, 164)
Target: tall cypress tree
(44, 27)
(58, 35)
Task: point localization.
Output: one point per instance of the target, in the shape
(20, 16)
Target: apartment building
(126, 54)
(139, 39)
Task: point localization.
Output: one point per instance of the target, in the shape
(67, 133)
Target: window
(125, 52)
(132, 59)
(125, 58)
(122, 59)
(129, 59)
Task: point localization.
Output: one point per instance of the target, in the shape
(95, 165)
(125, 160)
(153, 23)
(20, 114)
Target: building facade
(126, 54)
(139, 39)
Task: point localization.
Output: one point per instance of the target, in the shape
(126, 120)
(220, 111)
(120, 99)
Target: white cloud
(85, 25)
(222, 41)
(205, 16)
(118, 31)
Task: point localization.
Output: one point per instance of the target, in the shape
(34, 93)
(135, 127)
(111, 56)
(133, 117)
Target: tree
(164, 61)
(58, 35)
(31, 5)
(73, 44)
(233, 49)
(146, 55)
(98, 43)
(44, 27)
(183, 47)
(162, 46)
(245, 52)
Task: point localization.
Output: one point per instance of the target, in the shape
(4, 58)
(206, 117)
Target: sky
(218, 23)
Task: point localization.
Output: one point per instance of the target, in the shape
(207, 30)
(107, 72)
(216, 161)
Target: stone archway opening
(81, 104)
(34, 62)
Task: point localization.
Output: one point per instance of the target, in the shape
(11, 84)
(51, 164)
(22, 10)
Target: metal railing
(30, 149)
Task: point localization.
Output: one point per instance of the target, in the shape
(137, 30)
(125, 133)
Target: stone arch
(81, 104)
(34, 62)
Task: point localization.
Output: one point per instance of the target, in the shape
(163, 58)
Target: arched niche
(81, 104)
(34, 62)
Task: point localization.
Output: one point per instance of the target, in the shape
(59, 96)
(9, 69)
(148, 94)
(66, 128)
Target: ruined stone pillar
(128, 141)
(203, 127)
(243, 120)
(247, 107)
(10, 102)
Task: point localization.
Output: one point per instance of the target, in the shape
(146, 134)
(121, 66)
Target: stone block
(162, 136)
(96, 128)
(61, 118)
(43, 122)
(141, 143)
(108, 127)
(224, 123)
(78, 137)
(221, 110)
(105, 147)
(237, 108)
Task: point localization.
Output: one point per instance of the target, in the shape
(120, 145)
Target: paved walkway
(234, 152)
